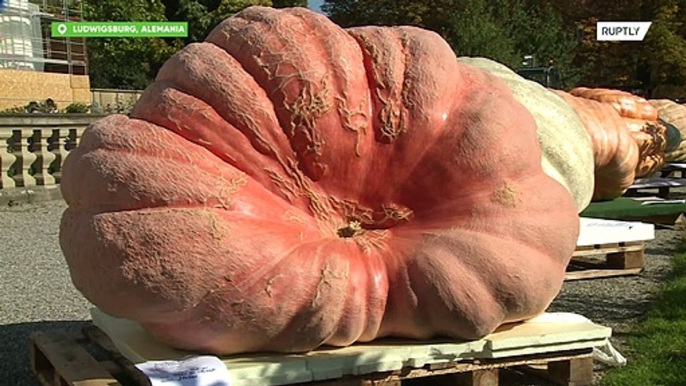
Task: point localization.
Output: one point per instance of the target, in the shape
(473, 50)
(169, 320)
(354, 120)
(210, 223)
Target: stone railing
(33, 147)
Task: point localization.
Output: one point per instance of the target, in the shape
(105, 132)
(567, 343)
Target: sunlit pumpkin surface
(615, 153)
(674, 114)
(641, 119)
(288, 184)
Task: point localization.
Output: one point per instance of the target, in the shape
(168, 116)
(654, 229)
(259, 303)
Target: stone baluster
(58, 146)
(44, 157)
(74, 138)
(25, 157)
(79, 134)
(7, 159)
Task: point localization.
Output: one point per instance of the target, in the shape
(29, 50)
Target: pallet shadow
(14, 349)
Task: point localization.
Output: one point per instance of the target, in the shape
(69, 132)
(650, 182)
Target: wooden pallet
(59, 359)
(672, 169)
(620, 259)
(663, 185)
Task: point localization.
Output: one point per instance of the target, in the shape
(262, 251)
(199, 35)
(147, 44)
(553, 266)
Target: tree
(473, 30)
(203, 15)
(125, 63)
(654, 67)
(539, 29)
(289, 3)
(351, 13)
(664, 51)
(132, 63)
(502, 30)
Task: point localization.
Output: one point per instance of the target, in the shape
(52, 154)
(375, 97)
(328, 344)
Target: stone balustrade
(33, 147)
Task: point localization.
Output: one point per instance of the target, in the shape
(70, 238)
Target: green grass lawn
(658, 344)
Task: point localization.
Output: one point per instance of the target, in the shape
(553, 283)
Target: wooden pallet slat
(57, 360)
(620, 259)
(576, 372)
(98, 337)
(589, 250)
(61, 360)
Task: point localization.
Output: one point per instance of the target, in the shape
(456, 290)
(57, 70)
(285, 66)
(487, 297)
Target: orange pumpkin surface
(641, 119)
(615, 152)
(287, 184)
(627, 105)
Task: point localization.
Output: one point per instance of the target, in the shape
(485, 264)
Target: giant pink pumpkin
(288, 184)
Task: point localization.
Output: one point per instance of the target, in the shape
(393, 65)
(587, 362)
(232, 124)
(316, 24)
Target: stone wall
(18, 88)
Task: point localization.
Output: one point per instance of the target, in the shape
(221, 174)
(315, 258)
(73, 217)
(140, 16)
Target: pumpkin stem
(352, 230)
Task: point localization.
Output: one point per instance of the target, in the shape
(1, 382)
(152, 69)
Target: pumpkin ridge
(247, 126)
(207, 133)
(206, 72)
(410, 95)
(317, 23)
(307, 104)
(393, 115)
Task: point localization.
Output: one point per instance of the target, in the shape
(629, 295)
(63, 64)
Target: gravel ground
(36, 293)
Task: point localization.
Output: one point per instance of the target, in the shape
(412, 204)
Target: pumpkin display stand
(557, 346)
(663, 185)
(671, 176)
(673, 170)
(620, 244)
(648, 210)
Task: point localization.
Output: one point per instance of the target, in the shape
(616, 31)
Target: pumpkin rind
(642, 121)
(566, 146)
(627, 105)
(675, 115)
(673, 136)
(616, 154)
(651, 139)
(289, 184)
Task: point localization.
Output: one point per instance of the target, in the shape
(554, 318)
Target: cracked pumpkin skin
(289, 184)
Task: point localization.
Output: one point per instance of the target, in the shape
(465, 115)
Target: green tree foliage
(473, 29)
(502, 30)
(132, 63)
(654, 67)
(663, 58)
(289, 3)
(125, 63)
(203, 15)
(351, 13)
(539, 29)
(468, 25)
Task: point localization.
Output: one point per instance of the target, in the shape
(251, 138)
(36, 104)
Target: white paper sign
(194, 371)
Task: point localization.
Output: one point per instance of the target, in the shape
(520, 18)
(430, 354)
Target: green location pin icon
(62, 29)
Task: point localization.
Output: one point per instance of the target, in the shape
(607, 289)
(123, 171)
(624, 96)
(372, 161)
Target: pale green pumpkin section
(565, 144)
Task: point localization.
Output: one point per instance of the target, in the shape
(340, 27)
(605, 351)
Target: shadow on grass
(14, 349)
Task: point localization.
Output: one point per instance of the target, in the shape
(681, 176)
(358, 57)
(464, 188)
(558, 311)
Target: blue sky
(315, 4)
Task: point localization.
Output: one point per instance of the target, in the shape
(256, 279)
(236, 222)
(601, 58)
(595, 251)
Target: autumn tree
(654, 67)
